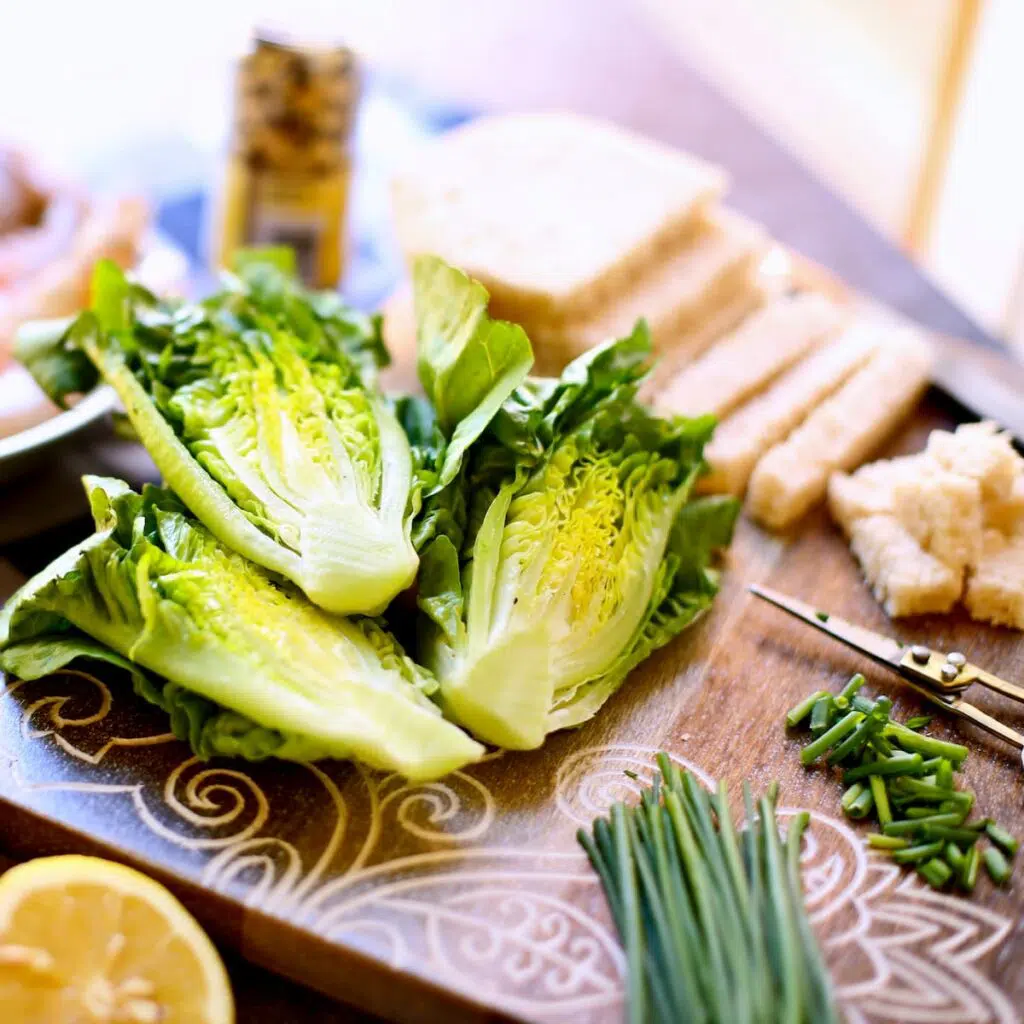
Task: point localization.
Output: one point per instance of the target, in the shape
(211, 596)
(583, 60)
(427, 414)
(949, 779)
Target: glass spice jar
(287, 177)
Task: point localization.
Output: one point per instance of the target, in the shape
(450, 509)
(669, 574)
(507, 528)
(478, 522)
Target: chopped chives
(821, 616)
(911, 854)
(881, 797)
(906, 782)
(935, 872)
(852, 795)
(855, 683)
(880, 745)
(923, 812)
(954, 857)
(797, 714)
(969, 873)
(862, 806)
(1007, 843)
(821, 714)
(881, 842)
(855, 742)
(903, 764)
(912, 825)
(831, 737)
(920, 789)
(996, 865)
(916, 743)
(950, 833)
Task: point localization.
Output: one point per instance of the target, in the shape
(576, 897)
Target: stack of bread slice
(577, 228)
(943, 525)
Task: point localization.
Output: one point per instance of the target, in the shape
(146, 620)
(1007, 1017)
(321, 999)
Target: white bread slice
(754, 354)
(676, 295)
(979, 451)
(903, 576)
(769, 418)
(842, 431)
(995, 590)
(553, 212)
(942, 512)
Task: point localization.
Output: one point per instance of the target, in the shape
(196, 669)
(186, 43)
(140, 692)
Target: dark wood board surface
(468, 899)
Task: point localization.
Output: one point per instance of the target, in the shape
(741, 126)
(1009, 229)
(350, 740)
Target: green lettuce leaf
(260, 408)
(468, 363)
(573, 552)
(242, 664)
(58, 370)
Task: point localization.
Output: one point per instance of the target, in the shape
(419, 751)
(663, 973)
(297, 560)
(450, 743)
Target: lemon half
(87, 941)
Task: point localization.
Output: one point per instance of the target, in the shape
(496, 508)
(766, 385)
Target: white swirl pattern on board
(526, 929)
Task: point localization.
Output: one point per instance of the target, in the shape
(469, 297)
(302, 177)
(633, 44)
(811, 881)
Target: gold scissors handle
(947, 676)
(953, 673)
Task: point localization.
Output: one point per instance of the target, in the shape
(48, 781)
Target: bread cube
(903, 576)
(995, 590)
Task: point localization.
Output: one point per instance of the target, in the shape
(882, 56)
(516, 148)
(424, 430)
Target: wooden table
(618, 68)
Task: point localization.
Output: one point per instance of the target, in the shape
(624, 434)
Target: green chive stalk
(712, 917)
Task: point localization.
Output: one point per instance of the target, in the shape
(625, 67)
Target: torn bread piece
(980, 451)
(995, 590)
(942, 511)
(842, 431)
(1006, 513)
(553, 213)
(871, 490)
(745, 436)
(902, 575)
(754, 354)
(675, 295)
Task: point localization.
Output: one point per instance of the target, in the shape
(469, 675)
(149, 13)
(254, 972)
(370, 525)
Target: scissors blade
(882, 649)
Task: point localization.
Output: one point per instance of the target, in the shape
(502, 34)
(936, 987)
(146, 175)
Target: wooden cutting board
(468, 899)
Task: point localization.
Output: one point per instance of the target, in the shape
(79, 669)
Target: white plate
(163, 268)
(21, 451)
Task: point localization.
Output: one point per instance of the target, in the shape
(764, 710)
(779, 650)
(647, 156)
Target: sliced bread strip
(553, 212)
(754, 354)
(770, 417)
(842, 431)
(679, 350)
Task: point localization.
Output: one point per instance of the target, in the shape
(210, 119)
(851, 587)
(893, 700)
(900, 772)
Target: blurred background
(909, 110)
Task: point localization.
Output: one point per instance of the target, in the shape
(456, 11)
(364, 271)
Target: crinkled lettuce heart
(245, 666)
(566, 550)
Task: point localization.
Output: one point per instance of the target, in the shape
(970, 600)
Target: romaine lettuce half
(260, 408)
(247, 666)
(566, 550)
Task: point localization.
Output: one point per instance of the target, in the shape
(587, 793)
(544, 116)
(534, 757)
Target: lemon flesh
(88, 941)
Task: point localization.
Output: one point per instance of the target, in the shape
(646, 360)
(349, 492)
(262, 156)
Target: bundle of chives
(712, 919)
(910, 791)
